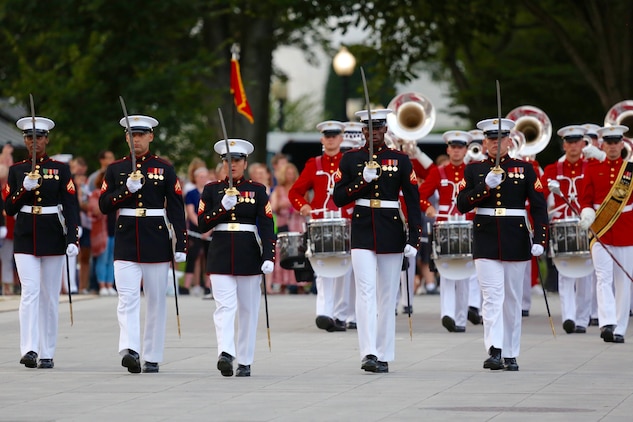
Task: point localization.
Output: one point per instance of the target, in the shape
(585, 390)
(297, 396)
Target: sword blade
(498, 157)
(369, 123)
(33, 154)
(228, 151)
(129, 133)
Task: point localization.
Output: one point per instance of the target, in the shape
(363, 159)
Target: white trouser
(584, 298)
(241, 296)
(41, 279)
(526, 298)
(613, 287)
(128, 276)
(501, 286)
(377, 280)
(454, 299)
(6, 257)
(474, 292)
(326, 295)
(344, 297)
(408, 274)
(573, 294)
(594, 296)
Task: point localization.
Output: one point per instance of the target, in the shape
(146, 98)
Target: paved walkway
(311, 375)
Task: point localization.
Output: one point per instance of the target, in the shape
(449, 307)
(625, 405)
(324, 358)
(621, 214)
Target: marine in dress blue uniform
(146, 207)
(46, 227)
(503, 243)
(379, 236)
(242, 248)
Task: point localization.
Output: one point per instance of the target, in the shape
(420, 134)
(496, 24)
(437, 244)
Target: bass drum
(452, 249)
(292, 248)
(569, 248)
(329, 242)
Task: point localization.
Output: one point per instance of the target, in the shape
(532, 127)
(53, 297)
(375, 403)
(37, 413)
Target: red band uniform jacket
(42, 234)
(145, 239)
(237, 252)
(380, 229)
(505, 238)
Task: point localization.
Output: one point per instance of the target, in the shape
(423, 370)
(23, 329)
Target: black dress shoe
(580, 330)
(448, 323)
(511, 364)
(382, 367)
(618, 338)
(243, 371)
(494, 361)
(132, 362)
(225, 364)
(606, 333)
(351, 325)
(569, 326)
(593, 322)
(29, 359)
(150, 367)
(324, 322)
(338, 326)
(525, 313)
(473, 316)
(49, 364)
(369, 363)
(460, 329)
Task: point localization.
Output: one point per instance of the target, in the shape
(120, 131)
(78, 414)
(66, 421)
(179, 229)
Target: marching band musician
(566, 175)
(379, 236)
(502, 240)
(148, 201)
(445, 179)
(46, 227)
(242, 248)
(318, 176)
(606, 203)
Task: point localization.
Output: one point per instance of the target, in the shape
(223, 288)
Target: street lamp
(279, 91)
(344, 63)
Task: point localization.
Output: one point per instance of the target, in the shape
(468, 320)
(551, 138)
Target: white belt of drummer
(627, 208)
(35, 209)
(377, 203)
(142, 212)
(502, 212)
(235, 227)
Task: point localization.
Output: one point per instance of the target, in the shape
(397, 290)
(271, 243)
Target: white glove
(133, 185)
(180, 257)
(410, 251)
(268, 267)
(72, 250)
(553, 186)
(591, 151)
(537, 250)
(80, 232)
(587, 217)
(3, 232)
(370, 174)
(229, 201)
(29, 184)
(493, 179)
(424, 159)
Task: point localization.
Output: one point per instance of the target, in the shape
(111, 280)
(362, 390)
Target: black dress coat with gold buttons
(145, 239)
(380, 229)
(237, 252)
(42, 234)
(505, 238)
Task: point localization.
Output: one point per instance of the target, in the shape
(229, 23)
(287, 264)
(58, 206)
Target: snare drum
(569, 248)
(452, 249)
(292, 249)
(329, 237)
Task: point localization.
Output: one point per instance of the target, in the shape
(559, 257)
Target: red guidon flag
(237, 88)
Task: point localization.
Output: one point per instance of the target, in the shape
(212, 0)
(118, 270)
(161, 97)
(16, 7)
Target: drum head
(455, 269)
(574, 266)
(331, 266)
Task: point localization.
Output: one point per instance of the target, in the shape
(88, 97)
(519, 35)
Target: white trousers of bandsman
(501, 285)
(335, 296)
(575, 298)
(128, 276)
(454, 298)
(613, 287)
(236, 296)
(41, 280)
(377, 286)
(474, 292)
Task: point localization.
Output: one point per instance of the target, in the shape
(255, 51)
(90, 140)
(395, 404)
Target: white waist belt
(236, 227)
(39, 210)
(626, 208)
(377, 203)
(142, 212)
(502, 212)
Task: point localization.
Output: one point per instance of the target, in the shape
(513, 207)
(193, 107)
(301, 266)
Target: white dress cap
(353, 135)
(492, 125)
(330, 126)
(42, 125)
(457, 137)
(572, 131)
(591, 129)
(616, 131)
(477, 135)
(379, 116)
(140, 124)
(238, 148)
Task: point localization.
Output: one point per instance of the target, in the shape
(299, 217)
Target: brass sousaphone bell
(535, 126)
(412, 118)
(622, 114)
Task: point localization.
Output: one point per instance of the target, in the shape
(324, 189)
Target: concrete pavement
(312, 375)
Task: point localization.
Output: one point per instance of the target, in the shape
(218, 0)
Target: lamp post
(279, 91)
(344, 63)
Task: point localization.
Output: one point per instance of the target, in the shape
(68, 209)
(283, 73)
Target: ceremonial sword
(136, 174)
(370, 163)
(231, 191)
(32, 175)
(497, 168)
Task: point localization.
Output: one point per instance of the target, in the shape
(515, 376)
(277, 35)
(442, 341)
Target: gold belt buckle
(233, 227)
(500, 212)
(374, 203)
(36, 209)
(140, 212)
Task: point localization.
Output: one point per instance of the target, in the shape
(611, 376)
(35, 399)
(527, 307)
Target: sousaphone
(535, 126)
